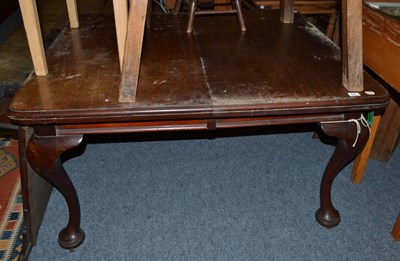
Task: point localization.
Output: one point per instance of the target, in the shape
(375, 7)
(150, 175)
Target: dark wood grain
(43, 154)
(279, 69)
(351, 141)
(35, 193)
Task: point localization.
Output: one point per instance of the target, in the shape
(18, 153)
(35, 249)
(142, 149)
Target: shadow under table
(216, 77)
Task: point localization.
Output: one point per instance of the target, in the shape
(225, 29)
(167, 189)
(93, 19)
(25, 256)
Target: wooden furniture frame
(193, 12)
(312, 7)
(381, 44)
(215, 81)
(381, 47)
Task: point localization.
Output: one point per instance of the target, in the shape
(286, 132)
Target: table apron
(196, 124)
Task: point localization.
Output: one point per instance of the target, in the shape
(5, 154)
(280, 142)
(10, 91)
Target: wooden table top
(218, 71)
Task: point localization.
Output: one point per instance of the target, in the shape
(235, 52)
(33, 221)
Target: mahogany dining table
(217, 77)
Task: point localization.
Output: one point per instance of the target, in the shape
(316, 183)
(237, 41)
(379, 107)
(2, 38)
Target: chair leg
(337, 32)
(352, 63)
(34, 35)
(121, 24)
(192, 13)
(133, 50)
(360, 164)
(73, 13)
(287, 11)
(178, 4)
(238, 8)
(330, 30)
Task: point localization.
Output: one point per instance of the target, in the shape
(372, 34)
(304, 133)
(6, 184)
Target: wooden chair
(311, 7)
(377, 34)
(193, 12)
(34, 35)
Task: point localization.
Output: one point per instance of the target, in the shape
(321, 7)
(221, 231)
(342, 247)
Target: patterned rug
(10, 202)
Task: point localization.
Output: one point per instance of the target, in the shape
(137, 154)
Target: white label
(354, 94)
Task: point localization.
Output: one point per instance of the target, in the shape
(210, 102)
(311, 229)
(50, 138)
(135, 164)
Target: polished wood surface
(278, 71)
(352, 70)
(44, 157)
(345, 151)
(271, 74)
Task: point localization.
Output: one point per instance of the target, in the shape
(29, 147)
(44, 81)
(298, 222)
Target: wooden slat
(352, 54)
(34, 35)
(133, 50)
(388, 133)
(330, 30)
(121, 24)
(73, 13)
(287, 11)
(360, 164)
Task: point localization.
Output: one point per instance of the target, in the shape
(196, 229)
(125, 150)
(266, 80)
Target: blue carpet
(228, 198)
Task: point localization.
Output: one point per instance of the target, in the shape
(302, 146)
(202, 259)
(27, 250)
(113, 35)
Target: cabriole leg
(44, 157)
(352, 136)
